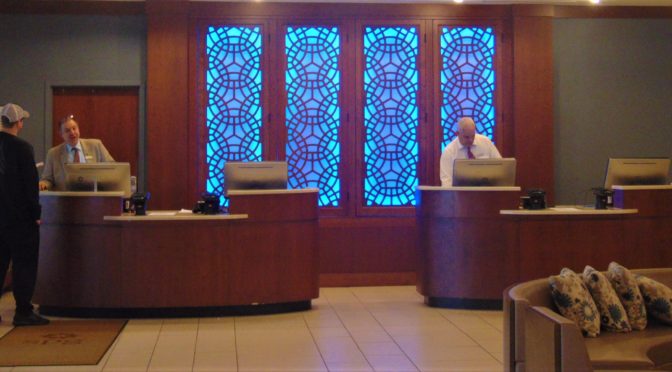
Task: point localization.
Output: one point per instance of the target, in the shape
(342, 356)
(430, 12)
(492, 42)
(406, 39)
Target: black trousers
(19, 244)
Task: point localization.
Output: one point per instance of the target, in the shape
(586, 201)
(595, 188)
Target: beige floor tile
(355, 365)
(338, 349)
(329, 332)
(371, 335)
(215, 362)
(58, 369)
(391, 363)
(425, 343)
(461, 366)
(348, 329)
(283, 363)
(428, 331)
(379, 348)
(128, 362)
(215, 337)
(498, 356)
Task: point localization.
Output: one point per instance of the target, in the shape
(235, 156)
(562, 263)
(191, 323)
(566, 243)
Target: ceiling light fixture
(458, 1)
(595, 1)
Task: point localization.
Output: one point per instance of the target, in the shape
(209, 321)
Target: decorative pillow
(626, 287)
(657, 298)
(574, 302)
(612, 313)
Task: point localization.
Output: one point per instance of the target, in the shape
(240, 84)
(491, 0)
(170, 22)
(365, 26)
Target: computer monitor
(636, 171)
(484, 172)
(98, 177)
(255, 175)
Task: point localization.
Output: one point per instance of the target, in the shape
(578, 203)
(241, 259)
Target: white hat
(13, 112)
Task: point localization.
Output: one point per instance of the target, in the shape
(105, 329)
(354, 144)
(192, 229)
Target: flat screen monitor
(255, 175)
(636, 171)
(98, 177)
(484, 172)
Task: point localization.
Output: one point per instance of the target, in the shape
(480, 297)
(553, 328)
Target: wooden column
(533, 97)
(167, 137)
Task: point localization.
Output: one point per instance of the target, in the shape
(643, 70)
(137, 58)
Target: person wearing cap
(72, 150)
(467, 145)
(19, 214)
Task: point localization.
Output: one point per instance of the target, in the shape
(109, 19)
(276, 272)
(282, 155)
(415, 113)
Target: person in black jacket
(19, 214)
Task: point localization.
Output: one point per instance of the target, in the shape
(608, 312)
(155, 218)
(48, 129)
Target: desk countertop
(566, 210)
(174, 216)
(469, 188)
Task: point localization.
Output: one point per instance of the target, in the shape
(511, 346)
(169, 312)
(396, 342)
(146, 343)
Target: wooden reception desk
(474, 242)
(262, 257)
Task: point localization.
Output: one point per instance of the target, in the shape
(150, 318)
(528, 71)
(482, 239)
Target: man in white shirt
(467, 145)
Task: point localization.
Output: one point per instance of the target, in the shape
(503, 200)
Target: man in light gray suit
(72, 150)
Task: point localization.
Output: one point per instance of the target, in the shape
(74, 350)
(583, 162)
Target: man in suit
(19, 214)
(72, 150)
(467, 145)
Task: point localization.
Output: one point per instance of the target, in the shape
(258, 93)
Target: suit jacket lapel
(64, 153)
(89, 151)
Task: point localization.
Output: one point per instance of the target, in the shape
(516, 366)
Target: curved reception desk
(475, 242)
(464, 243)
(260, 258)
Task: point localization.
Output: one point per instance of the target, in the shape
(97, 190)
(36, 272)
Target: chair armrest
(553, 343)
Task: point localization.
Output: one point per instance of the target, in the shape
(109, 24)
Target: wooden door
(107, 113)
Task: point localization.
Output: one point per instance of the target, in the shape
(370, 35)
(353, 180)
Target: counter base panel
(176, 312)
(463, 303)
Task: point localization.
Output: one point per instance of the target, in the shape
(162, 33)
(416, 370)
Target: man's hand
(43, 186)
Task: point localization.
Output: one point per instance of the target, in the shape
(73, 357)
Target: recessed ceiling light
(458, 1)
(595, 1)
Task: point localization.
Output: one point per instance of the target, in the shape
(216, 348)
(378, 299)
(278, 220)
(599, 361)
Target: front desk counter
(262, 257)
(465, 245)
(476, 242)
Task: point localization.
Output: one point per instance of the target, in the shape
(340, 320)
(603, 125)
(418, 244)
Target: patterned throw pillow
(574, 302)
(626, 287)
(657, 297)
(612, 313)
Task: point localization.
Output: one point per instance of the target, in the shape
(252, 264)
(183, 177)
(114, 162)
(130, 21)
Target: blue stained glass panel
(390, 115)
(233, 113)
(313, 83)
(467, 79)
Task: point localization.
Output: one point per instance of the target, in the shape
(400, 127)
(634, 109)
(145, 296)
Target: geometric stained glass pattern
(234, 114)
(391, 115)
(467, 79)
(312, 82)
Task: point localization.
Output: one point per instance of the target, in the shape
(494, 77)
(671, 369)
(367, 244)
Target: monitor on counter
(98, 177)
(255, 175)
(484, 172)
(636, 171)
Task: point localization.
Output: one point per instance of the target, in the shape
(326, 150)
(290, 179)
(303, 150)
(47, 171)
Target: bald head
(466, 131)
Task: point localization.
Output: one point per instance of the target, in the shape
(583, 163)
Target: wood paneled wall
(169, 171)
(533, 98)
(354, 251)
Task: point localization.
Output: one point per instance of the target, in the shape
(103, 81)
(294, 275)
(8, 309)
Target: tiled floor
(348, 329)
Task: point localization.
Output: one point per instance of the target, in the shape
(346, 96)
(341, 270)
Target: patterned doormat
(62, 342)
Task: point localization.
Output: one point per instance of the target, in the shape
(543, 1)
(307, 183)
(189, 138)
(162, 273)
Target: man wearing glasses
(72, 150)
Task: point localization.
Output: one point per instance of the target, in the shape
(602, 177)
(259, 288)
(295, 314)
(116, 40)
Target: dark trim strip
(175, 312)
(464, 303)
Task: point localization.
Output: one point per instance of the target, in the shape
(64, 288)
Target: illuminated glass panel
(390, 115)
(233, 113)
(467, 79)
(312, 81)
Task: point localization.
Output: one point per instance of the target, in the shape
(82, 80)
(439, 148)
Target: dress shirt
(482, 148)
(71, 154)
